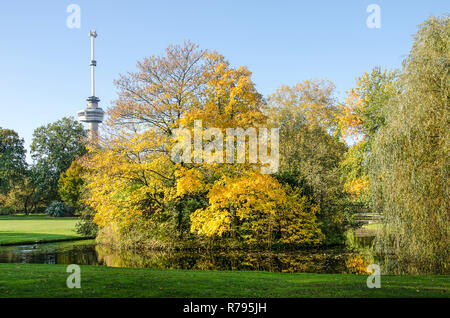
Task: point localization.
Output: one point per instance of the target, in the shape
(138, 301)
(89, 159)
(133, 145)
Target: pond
(329, 260)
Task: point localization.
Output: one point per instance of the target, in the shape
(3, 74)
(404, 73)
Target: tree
(133, 184)
(22, 196)
(70, 186)
(131, 176)
(162, 90)
(12, 160)
(256, 209)
(309, 154)
(53, 149)
(314, 99)
(359, 119)
(409, 168)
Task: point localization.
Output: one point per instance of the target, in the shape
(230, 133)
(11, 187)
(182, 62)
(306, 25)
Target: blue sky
(44, 65)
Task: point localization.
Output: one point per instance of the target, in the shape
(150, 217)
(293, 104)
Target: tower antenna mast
(93, 35)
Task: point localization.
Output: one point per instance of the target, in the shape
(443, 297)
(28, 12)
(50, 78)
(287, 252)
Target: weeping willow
(410, 159)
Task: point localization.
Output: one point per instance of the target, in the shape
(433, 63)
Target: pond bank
(43, 241)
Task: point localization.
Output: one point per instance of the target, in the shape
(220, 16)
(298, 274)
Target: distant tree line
(28, 188)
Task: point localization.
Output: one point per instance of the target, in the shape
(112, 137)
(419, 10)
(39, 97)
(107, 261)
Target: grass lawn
(368, 229)
(372, 226)
(41, 228)
(39, 280)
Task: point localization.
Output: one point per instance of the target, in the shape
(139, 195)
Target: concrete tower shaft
(92, 114)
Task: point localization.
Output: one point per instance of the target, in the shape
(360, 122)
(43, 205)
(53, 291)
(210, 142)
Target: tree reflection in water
(316, 261)
(330, 260)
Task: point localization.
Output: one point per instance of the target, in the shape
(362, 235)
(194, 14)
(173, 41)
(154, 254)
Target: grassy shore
(38, 280)
(29, 229)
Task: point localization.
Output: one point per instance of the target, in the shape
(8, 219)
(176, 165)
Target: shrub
(57, 209)
(85, 225)
(6, 210)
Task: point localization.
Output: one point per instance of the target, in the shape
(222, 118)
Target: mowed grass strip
(41, 228)
(40, 280)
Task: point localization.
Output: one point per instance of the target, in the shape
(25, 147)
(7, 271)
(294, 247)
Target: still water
(332, 260)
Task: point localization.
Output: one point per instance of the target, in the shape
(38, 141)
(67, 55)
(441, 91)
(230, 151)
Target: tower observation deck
(92, 114)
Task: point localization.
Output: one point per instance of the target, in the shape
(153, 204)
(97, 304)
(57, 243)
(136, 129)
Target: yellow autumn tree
(126, 180)
(140, 194)
(257, 208)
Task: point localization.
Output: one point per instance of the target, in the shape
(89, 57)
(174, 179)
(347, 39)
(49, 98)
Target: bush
(57, 209)
(85, 225)
(6, 210)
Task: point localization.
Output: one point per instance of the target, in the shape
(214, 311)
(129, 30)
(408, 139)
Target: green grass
(368, 229)
(39, 280)
(373, 226)
(41, 228)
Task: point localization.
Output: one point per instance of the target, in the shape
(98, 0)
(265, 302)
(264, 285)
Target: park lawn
(369, 229)
(41, 228)
(373, 226)
(42, 280)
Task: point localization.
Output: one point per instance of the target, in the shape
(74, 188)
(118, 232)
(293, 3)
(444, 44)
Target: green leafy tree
(70, 186)
(409, 168)
(359, 119)
(309, 153)
(12, 160)
(54, 148)
(22, 196)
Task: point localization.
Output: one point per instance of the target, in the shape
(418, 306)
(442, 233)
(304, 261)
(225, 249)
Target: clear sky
(44, 65)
